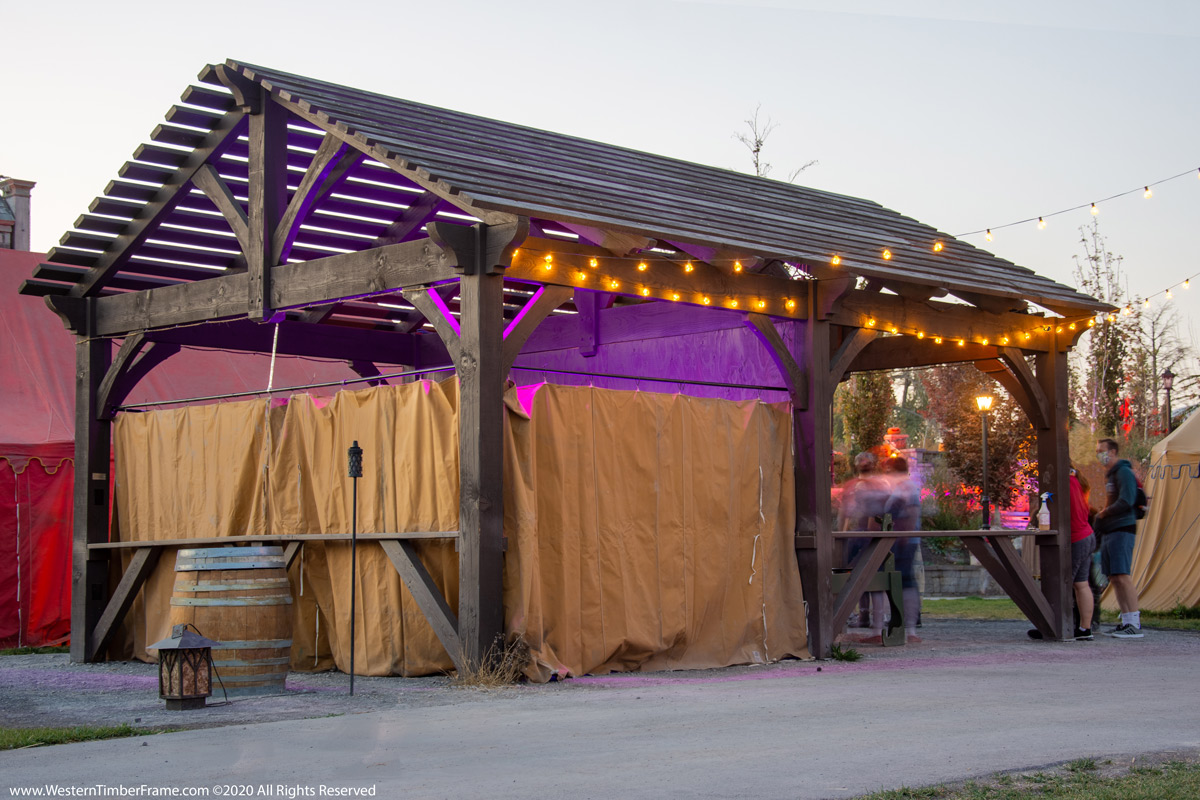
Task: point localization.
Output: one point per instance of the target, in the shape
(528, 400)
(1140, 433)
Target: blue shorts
(1116, 553)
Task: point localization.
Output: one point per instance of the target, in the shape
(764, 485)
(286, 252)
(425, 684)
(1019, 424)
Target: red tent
(37, 409)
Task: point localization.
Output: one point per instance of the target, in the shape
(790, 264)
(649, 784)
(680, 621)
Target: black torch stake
(355, 453)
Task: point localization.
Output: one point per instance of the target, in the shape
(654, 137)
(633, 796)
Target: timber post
(93, 458)
(1054, 464)
(481, 253)
(811, 431)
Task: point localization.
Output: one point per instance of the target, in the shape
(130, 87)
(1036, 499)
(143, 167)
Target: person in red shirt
(1083, 544)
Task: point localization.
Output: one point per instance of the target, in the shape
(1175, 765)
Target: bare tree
(756, 139)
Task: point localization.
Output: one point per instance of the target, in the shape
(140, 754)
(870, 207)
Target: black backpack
(1140, 503)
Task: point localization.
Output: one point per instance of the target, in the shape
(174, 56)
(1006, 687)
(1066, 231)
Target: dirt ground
(49, 690)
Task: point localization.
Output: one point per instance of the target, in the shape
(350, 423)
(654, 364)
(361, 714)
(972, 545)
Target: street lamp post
(1168, 380)
(984, 401)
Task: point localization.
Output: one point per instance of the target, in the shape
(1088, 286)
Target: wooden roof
(424, 163)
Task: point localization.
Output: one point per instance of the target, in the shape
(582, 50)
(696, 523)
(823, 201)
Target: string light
(613, 283)
(737, 266)
(984, 342)
(643, 266)
(791, 304)
(1004, 340)
(1146, 191)
(645, 292)
(1169, 295)
(675, 296)
(871, 322)
(887, 254)
(938, 340)
(962, 343)
(920, 334)
(835, 260)
(1041, 224)
(582, 276)
(733, 303)
(894, 329)
(1187, 284)
(1091, 323)
(706, 300)
(1071, 326)
(549, 265)
(688, 267)
(937, 247)
(762, 304)
(593, 263)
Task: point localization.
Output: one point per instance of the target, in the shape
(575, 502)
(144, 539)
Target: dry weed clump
(503, 664)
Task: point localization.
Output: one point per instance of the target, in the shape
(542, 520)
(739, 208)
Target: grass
(1181, 618)
(31, 651)
(16, 738)
(1078, 780)
(970, 608)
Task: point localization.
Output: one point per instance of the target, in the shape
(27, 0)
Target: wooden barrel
(240, 597)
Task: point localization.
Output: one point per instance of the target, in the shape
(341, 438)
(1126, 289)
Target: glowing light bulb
(1187, 284)
(1146, 303)
(1071, 326)
(737, 266)
(1148, 194)
(761, 304)
(920, 334)
(1004, 340)
(1091, 323)
(1095, 209)
(593, 262)
(1127, 311)
(675, 296)
(962, 343)
(1041, 224)
(835, 260)
(894, 330)
(791, 305)
(984, 342)
(1058, 329)
(613, 284)
(871, 322)
(1169, 295)
(688, 267)
(937, 247)
(887, 255)
(645, 292)
(1026, 335)
(988, 235)
(706, 300)
(937, 340)
(515, 251)
(643, 266)
(733, 303)
(549, 265)
(582, 276)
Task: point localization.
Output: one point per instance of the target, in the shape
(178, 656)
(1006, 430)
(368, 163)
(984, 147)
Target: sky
(963, 115)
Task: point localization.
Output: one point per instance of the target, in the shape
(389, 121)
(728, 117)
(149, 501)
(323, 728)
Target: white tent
(1166, 559)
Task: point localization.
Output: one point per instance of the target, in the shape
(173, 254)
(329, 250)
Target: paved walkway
(972, 699)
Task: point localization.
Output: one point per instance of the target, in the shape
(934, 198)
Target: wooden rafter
(333, 159)
(159, 205)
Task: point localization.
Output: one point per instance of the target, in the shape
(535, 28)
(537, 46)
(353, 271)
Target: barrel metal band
(270, 600)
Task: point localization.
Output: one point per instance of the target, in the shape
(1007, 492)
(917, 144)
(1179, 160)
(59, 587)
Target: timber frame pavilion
(385, 232)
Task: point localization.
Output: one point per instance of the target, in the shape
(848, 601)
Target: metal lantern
(184, 668)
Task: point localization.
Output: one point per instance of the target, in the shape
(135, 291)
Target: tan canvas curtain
(644, 530)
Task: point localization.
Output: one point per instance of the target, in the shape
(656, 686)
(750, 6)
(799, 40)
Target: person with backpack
(1117, 521)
